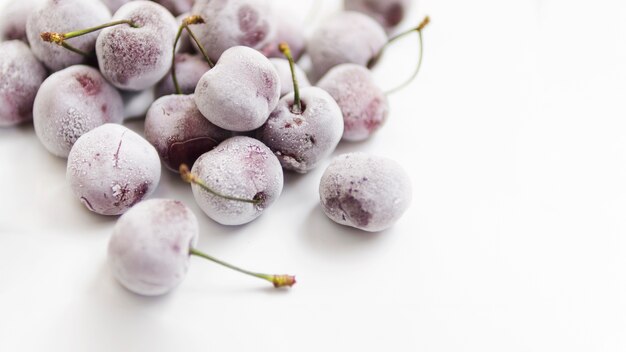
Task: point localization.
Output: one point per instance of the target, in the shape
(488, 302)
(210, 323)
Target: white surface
(514, 136)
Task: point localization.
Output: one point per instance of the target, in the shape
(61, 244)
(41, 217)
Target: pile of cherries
(232, 104)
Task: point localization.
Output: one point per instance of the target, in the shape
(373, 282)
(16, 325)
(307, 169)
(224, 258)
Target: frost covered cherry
(290, 32)
(364, 191)
(189, 70)
(13, 16)
(363, 104)
(61, 17)
(179, 132)
(349, 37)
(284, 73)
(231, 23)
(235, 182)
(137, 57)
(151, 246)
(240, 92)
(21, 74)
(112, 168)
(305, 127)
(389, 13)
(72, 102)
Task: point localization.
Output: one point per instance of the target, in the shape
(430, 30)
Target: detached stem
(277, 280)
(417, 29)
(188, 177)
(59, 38)
(284, 48)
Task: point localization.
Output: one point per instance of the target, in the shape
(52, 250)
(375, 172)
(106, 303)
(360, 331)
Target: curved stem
(417, 69)
(284, 48)
(188, 177)
(173, 69)
(200, 47)
(277, 280)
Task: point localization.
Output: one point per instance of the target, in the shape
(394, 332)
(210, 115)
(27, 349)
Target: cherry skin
(389, 13)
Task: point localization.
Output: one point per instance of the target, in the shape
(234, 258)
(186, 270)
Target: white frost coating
(301, 141)
(149, 249)
(20, 77)
(179, 132)
(284, 73)
(13, 17)
(111, 168)
(291, 32)
(349, 37)
(230, 23)
(71, 102)
(64, 16)
(137, 58)
(189, 70)
(365, 191)
(240, 92)
(239, 167)
(388, 13)
(363, 104)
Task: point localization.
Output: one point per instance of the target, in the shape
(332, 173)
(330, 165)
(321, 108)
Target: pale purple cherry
(112, 168)
(283, 68)
(235, 182)
(21, 74)
(349, 37)
(13, 16)
(137, 57)
(151, 246)
(233, 23)
(176, 7)
(364, 191)
(363, 104)
(388, 13)
(72, 102)
(240, 92)
(60, 17)
(190, 69)
(305, 128)
(179, 132)
(288, 31)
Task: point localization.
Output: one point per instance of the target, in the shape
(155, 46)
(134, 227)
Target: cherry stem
(417, 29)
(195, 19)
(297, 107)
(277, 280)
(188, 177)
(59, 38)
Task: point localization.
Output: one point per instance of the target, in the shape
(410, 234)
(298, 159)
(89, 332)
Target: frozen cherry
(284, 73)
(234, 22)
(190, 69)
(112, 168)
(290, 32)
(363, 104)
(54, 16)
(152, 244)
(71, 102)
(138, 56)
(240, 92)
(349, 37)
(364, 191)
(13, 16)
(179, 132)
(235, 182)
(389, 13)
(305, 128)
(21, 74)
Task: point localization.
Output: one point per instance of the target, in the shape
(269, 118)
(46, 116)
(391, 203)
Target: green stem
(206, 56)
(75, 49)
(277, 280)
(417, 69)
(78, 33)
(188, 177)
(284, 48)
(174, 79)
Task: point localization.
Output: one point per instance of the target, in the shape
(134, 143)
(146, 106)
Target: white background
(514, 136)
